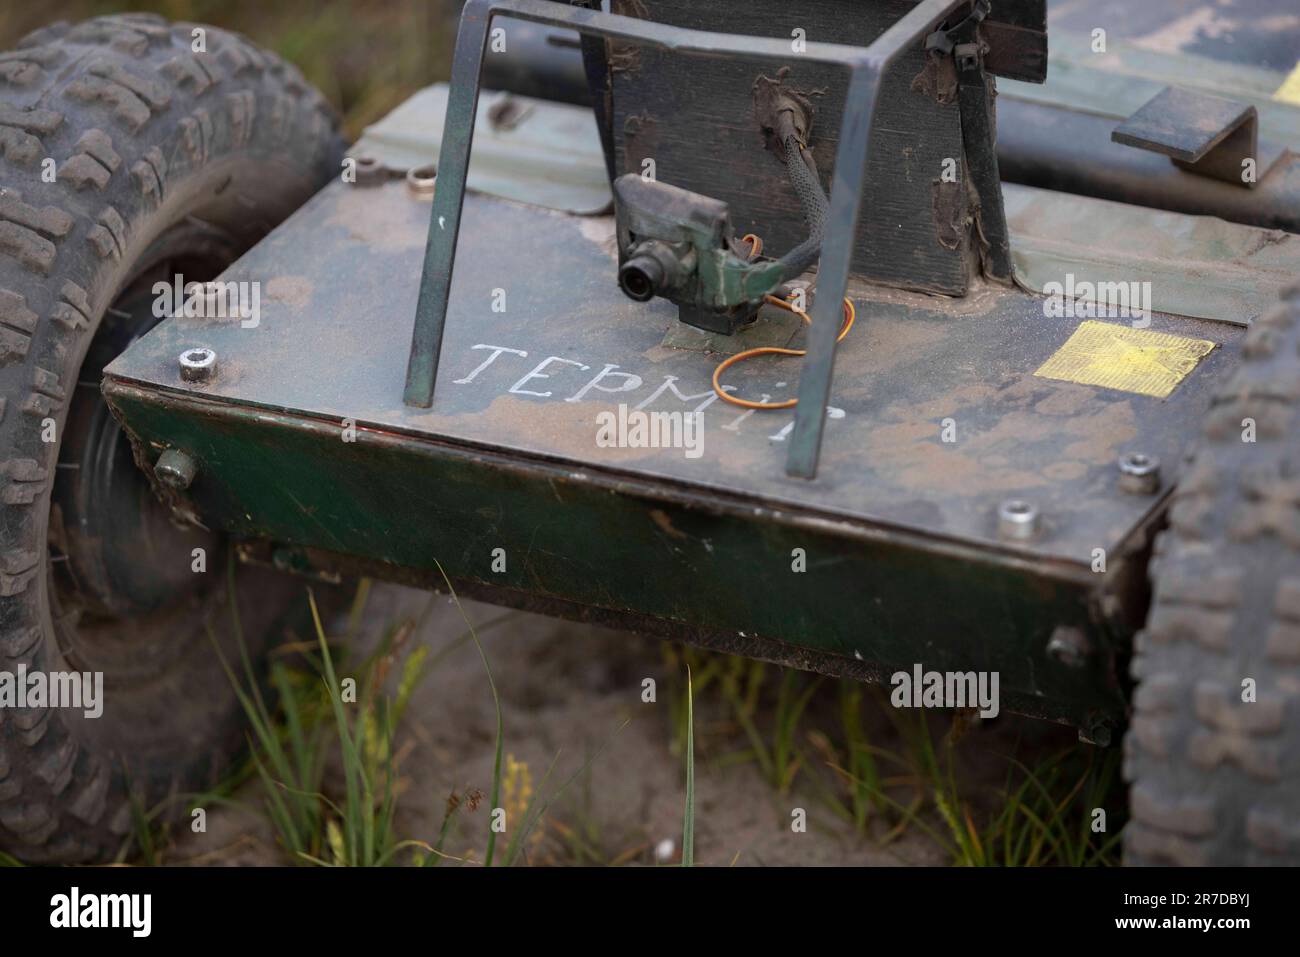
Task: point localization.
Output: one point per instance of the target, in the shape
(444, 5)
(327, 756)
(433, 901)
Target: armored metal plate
(540, 341)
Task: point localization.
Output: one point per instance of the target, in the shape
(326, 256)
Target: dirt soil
(567, 690)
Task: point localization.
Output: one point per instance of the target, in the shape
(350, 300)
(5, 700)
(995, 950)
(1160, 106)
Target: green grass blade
(352, 764)
(496, 704)
(688, 818)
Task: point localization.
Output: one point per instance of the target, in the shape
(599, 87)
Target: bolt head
(1139, 473)
(198, 364)
(1069, 646)
(175, 469)
(1018, 520)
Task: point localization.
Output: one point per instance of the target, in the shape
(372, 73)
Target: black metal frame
(866, 67)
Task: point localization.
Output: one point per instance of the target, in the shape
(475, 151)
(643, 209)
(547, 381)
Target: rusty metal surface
(338, 301)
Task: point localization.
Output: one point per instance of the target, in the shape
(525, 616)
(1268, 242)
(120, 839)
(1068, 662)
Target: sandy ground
(566, 691)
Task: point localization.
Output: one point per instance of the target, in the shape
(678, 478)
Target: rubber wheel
(130, 148)
(1213, 750)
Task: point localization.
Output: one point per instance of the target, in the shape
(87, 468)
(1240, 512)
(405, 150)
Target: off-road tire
(1215, 779)
(144, 133)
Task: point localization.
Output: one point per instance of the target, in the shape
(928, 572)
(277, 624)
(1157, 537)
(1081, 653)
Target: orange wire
(849, 315)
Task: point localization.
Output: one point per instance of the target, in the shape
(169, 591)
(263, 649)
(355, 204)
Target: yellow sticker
(1124, 358)
(1289, 91)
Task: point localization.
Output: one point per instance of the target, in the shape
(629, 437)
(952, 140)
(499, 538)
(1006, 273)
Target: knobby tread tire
(1215, 779)
(142, 133)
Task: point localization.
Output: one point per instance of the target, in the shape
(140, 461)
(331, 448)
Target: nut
(422, 180)
(175, 469)
(370, 171)
(1017, 520)
(1139, 473)
(198, 364)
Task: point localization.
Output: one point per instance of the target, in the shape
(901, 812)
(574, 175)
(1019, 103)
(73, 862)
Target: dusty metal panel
(715, 147)
(547, 153)
(338, 296)
(1198, 266)
(1182, 124)
(867, 67)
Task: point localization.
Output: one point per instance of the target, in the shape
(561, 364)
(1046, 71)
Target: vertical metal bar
(847, 186)
(975, 102)
(595, 63)
(852, 161)
(448, 201)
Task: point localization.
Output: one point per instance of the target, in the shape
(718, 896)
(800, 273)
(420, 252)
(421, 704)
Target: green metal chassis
(307, 453)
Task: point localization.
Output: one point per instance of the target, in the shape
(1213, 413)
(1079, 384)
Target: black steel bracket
(967, 47)
(866, 66)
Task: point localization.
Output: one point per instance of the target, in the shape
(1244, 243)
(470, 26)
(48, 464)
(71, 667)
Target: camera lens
(640, 277)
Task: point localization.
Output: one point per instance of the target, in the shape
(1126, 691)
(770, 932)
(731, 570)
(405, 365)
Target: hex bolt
(1069, 646)
(175, 469)
(422, 181)
(198, 365)
(1017, 520)
(1139, 473)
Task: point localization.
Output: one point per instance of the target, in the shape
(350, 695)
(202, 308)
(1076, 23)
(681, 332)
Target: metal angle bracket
(1202, 134)
(866, 66)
